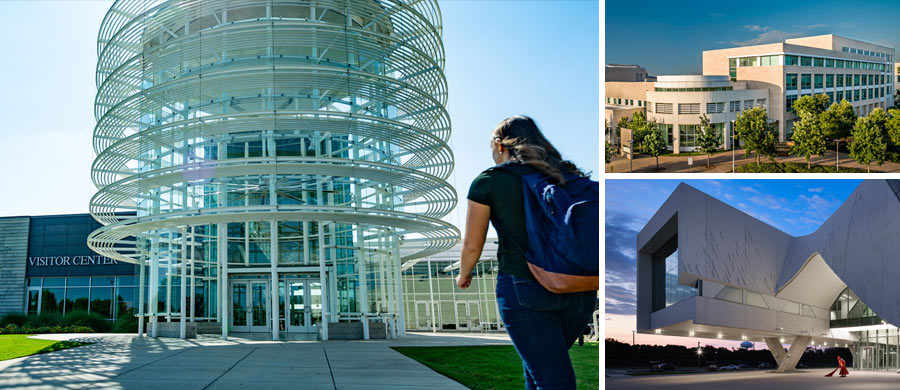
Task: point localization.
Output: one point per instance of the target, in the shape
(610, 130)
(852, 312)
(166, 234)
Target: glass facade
(246, 141)
(666, 290)
(432, 300)
(108, 296)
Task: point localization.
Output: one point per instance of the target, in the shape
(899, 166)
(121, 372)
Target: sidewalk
(722, 163)
(119, 361)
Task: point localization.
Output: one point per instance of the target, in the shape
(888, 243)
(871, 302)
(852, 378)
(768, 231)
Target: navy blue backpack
(563, 230)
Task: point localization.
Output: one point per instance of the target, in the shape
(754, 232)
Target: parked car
(743, 366)
(712, 367)
(801, 365)
(663, 367)
(730, 367)
(766, 365)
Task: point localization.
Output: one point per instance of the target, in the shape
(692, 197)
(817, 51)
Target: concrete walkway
(756, 379)
(722, 163)
(130, 362)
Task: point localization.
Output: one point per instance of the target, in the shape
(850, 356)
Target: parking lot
(753, 380)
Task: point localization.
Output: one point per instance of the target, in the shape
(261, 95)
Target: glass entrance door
(249, 306)
(462, 316)
(303, 305)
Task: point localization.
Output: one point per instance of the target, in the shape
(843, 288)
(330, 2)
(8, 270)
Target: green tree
(838, 120)
(654, 145)
(808, 138)
(868, 143)
(610, 152)
(753, 128)
(893, 126)
(897, 99)
(812, 104)
(709, 140)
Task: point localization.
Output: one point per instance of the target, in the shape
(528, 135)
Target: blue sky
(797, 207)
(667, 37)
(539, 58)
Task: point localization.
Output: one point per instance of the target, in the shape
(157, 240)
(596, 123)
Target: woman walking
(542, 325)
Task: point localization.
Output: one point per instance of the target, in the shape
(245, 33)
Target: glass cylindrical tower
(268, 158)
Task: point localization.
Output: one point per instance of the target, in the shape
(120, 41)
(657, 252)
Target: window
(665, 288)
(840, 96)
(688, 108)
(849, 80)
(855, 80)
(805, 61)
(688, 135)
(792, 60)
(790, 81)
(761, 103)
(819, 62)
(830, 96)
(732, 68)
(829, 81)
(840, 80)
(734, 106)
(829, 63)
(865, 80)
(749, 61)
(770, 60)
(839, 63)
(818, 80)
(754, 299)
(789, 102)
(715, 108)
(856, 95)
(730, 294)
(871, 79)
(663, 108)
(748, 104)
(805, 81)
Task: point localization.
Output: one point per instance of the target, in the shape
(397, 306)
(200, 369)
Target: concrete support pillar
(141, 303)
(787, 362)
(222, 256)
(181, 306)
(274, 274)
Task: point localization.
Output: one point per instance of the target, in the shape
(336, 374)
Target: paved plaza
(754, 380)
(722, 163)
(130, 362)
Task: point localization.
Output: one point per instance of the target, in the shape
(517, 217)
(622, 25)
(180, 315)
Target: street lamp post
(699, 353)
(837, 155)
(732, 146)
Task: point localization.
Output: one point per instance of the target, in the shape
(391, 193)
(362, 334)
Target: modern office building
(273, 152)
(842, 68)
(706, 269)
(46, 267)
(627, 73)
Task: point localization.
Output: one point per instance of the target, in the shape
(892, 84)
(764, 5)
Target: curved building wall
(679, 108)
(259, 138)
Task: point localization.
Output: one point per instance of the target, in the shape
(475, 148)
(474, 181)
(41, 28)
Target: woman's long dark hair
(526, 144)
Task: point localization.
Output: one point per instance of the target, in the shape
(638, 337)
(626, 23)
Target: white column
(141, 299)
(182, 306)
(322, 276)
(398, 283)
(431, 299)
(193, 280)
(222, 250)
(154, 284)
(274, 270)
(169, 260)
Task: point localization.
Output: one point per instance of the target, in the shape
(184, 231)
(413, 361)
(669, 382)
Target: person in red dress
(843, 366)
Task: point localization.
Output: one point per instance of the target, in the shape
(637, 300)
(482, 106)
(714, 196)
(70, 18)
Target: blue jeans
(542, 326)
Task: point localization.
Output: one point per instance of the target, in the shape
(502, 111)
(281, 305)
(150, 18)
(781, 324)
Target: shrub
(792, 167)
(15, 329)
(91, 320)
(13, 318)
(43, 319)
(125, 324)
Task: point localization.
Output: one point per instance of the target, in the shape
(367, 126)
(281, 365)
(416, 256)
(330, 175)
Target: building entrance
(249, 306)
(304, 305)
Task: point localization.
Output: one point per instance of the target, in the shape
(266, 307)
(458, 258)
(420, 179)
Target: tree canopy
(869, 144)
(753, 128)
(808, 138)
(838, 120)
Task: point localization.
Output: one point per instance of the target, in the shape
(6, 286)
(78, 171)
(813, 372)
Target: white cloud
(816, 189)
(756, 27)
(767, 36)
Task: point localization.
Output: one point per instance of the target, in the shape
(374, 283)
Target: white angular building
(706, 269)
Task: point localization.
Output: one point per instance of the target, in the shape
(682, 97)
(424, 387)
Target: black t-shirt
(502, 191)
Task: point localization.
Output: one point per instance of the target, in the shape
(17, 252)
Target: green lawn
(499, 367)
(18, 345)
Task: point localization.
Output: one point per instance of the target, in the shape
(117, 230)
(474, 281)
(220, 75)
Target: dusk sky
(667, 37)
(797, 207)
